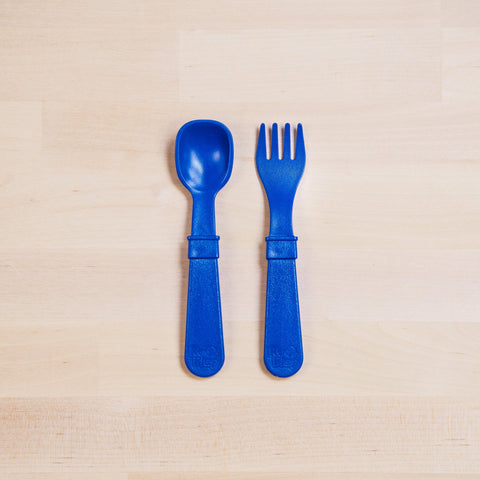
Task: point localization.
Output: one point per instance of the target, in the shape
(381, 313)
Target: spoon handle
(204, 353)
(283, 351)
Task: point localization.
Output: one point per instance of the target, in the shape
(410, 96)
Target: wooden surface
(93, 266)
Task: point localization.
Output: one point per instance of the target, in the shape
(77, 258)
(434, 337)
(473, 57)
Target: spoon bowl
(204, 153)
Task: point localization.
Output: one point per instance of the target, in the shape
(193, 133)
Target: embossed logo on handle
(203, 356)
(282, 356)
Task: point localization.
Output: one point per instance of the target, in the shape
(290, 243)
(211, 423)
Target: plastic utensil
(283, 351)
(204, 159)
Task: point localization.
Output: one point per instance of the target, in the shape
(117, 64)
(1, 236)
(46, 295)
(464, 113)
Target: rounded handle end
(283, 362)
(204, 361)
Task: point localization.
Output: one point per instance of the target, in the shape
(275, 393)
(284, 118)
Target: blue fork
(283, 351)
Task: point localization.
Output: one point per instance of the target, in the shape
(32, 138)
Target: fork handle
(204, 352)
(283, 350)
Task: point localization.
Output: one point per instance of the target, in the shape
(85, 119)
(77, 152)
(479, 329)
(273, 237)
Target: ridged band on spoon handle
(283, 350)
(204, 352)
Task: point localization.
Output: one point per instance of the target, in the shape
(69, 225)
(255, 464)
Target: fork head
(280, 176)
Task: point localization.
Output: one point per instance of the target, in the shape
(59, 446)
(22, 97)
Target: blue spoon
(204, 159)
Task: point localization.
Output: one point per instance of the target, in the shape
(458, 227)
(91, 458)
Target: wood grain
(159, 434)
(378, 61)
(93, 268)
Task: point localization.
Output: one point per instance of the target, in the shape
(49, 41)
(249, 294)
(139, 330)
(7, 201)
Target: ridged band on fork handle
(204, 351)
(283, 350)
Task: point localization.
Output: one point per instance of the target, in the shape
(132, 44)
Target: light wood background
(93, 226)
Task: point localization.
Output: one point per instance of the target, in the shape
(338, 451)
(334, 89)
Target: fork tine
(261, 144)
(274, 149)
(300, 147)
(286, 143)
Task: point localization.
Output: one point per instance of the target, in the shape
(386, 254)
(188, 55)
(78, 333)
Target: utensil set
(204, 159)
